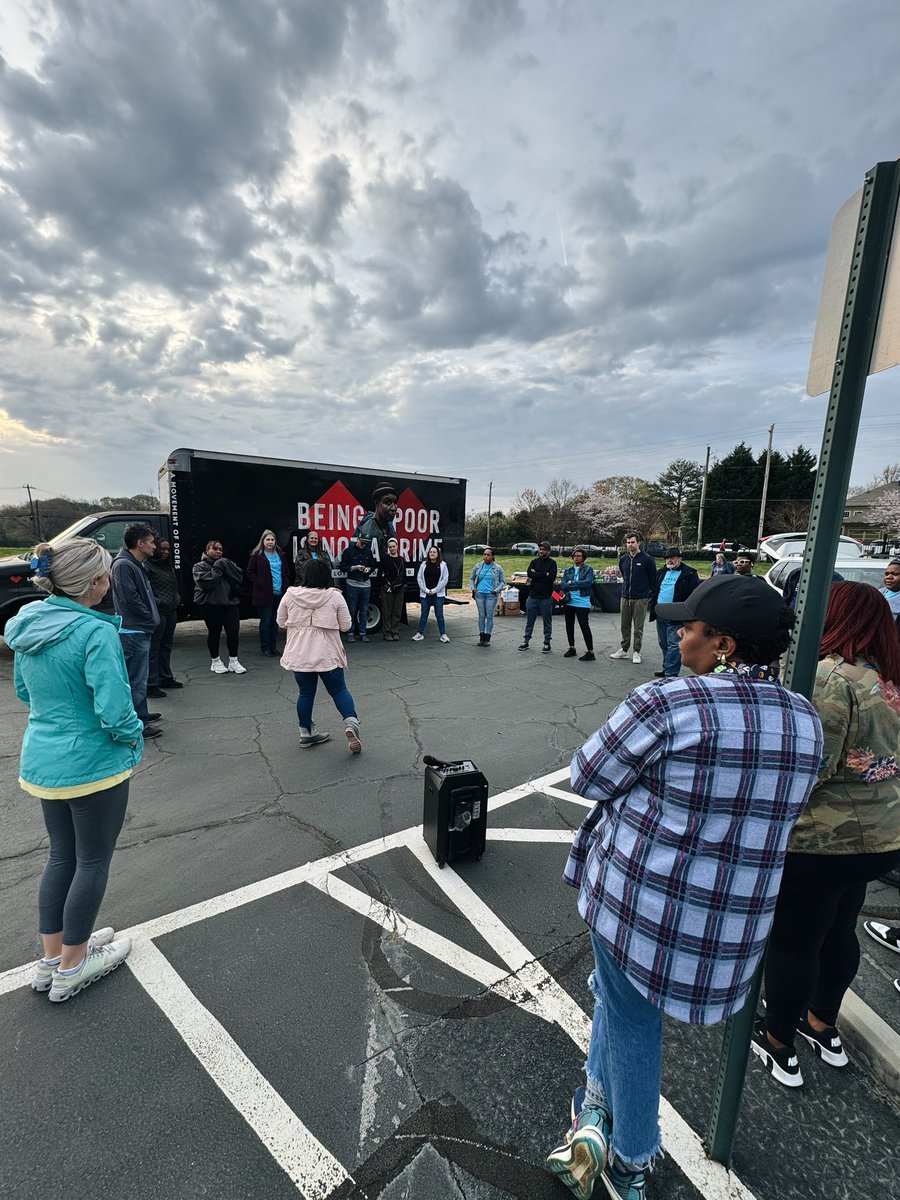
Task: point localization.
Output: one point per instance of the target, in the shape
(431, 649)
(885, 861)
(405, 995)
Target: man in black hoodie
(541, 576)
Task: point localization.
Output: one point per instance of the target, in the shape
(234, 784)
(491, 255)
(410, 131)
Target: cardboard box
(508, 608)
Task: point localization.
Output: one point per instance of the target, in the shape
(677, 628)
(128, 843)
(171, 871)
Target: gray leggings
(83, 836)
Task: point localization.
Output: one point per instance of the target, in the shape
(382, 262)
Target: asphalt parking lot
(312, 1008)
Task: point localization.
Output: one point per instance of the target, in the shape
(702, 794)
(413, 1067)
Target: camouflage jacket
(855, 806)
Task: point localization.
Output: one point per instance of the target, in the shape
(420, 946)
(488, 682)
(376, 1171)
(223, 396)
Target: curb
(871, 1042)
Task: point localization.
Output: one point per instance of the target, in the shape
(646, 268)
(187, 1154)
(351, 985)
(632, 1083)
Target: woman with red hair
(848, 835)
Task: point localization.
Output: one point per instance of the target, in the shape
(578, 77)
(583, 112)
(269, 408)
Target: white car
(857, 570)
(524, 548)
(792, 545)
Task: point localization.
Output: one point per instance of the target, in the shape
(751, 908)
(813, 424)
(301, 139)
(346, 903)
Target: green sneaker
(624, 1185)
(98, 961)
(580, 1160)
(43, 974)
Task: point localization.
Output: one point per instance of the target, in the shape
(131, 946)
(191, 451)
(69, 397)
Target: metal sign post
(853, 361)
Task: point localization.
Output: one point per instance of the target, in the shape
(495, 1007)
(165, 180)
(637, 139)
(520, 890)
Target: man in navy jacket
(638, 571)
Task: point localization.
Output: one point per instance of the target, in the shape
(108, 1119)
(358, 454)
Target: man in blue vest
(674, 583)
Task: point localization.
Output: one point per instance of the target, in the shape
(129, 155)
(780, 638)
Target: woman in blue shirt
(486, 582)
(267, 572)
(577, 582)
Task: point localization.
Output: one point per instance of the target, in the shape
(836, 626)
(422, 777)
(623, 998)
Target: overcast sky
(503, 239)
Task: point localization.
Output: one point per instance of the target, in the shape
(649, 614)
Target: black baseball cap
(733, 602)
(543, 545)
(672, 552)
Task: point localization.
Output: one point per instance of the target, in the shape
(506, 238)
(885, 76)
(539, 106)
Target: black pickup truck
(233, 497)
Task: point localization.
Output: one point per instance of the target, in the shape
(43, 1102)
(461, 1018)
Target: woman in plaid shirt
(697, 784)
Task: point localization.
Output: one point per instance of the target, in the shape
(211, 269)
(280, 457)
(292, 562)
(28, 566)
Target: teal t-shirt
(485, 581)
(275, 567)
(667, 587)
(578, 599)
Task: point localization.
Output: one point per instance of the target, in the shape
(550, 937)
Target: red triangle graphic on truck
(335, 515)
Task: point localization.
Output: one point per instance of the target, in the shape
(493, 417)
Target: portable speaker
(454, 816)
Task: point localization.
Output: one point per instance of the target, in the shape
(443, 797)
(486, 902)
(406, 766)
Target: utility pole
(702, 501)
(490, 491)
(34, 519)
(765, 491)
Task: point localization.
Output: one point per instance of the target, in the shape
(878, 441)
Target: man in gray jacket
(135, 603)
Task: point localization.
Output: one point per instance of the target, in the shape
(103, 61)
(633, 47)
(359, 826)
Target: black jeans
(813, 953)
(83, 836)
(218, 617)
(583, 615)
(161, 649)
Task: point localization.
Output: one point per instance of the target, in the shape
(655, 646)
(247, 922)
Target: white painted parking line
(312, 1168)
(532, 835)
(559, 794)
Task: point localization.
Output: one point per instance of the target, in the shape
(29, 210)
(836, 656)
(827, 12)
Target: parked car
(856, 569)
(478, 548)
(716, 547)
(524, 548)
(787, 545)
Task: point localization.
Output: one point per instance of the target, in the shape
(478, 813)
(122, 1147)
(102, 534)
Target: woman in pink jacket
(315, 614)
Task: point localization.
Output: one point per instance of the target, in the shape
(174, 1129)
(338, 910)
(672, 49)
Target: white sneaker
(635, 658)
(619, 654)
(235, 667)
(418, 637)
(98, 961)
(43, 975)
(218, 667)
(444, 638)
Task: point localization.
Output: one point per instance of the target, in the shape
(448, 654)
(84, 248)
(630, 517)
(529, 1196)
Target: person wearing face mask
(267, 571)
(216, 581)
(393, 589)
(81, 745)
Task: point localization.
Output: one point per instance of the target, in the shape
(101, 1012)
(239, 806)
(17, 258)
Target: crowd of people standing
(682, 876)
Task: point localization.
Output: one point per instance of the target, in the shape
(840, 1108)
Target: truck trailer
(206, 494)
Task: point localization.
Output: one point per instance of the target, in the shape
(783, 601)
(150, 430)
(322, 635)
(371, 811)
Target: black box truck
(205, 494)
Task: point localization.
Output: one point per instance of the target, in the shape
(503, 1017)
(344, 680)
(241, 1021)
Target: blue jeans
(136, 648)
(545, 608)
(624, 1063)
(486, 603)
(335, 685)
(429, 603)
(667, 634)
(358, 602)
(268, 628)
(83, 834)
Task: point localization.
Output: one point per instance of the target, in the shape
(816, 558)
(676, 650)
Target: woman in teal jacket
(81, 745)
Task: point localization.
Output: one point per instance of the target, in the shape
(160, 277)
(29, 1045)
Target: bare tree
(887, 474)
